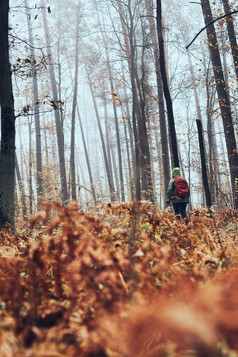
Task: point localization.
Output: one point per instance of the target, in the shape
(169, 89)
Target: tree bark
(72, 149)
(21, 190)
(119, 153)
(231, 35)
(223, 98)
(129, 48)
(55, 104)
(109, 173)
(7, 150)
(162, 116)
(203, 162)
(36, 106)
(168, 99)
(30, 183)
(87, 161)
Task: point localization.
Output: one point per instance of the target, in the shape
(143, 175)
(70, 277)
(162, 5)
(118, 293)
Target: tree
(36, 109)
(223, 99)
(119, 153)
(231, 35)
(203, 163)
(129, 15)
(105, 156)
(162, 116)
(166, 87)
(7, 149)
(72, 153)
(55, 104)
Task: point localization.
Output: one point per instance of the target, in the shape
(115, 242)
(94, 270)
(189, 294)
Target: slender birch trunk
(162, 116)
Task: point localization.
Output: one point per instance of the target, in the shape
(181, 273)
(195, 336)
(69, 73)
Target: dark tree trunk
(224, 102)
(203, 162)
(7, 151)
(56, 106)
(232, 35)
(167, 96)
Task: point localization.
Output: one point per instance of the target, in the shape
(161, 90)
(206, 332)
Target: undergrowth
(123, 279)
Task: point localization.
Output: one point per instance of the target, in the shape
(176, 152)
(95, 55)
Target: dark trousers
(180, 210)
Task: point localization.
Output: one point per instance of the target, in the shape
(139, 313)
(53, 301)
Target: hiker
(178, 192)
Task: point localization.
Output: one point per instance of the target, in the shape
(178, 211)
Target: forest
(100, 100)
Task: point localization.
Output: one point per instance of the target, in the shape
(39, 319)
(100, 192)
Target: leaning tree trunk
(55, 105)
(166, 87)
(7, 150)
(223, 98)
(21, 190)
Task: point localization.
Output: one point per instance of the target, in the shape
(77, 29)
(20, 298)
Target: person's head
(176, 172)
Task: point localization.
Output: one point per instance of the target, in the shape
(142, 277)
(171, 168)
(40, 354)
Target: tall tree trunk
(129, 141)
(139, 106)
(87, 161)
(168, 99)
(110, 146)
(231, 35)
(7, 151)
(224, 102)
(162, 116)
(109, 142)
(39, 187)
(129, 48)
(72, 150)
(56, 106)
(109, 173)
(119, 153)
(30, 168)
(145, 159)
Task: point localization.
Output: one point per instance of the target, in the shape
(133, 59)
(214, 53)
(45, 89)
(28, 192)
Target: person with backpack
(178, 192)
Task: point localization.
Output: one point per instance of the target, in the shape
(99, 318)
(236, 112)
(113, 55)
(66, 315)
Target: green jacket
(171, 187)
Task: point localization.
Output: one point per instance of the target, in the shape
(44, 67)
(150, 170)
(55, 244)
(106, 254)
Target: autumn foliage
(123, 279)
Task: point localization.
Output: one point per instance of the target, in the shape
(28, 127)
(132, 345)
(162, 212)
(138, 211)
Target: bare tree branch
(219, 18)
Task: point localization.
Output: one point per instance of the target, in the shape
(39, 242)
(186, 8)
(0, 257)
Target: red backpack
(181, 188)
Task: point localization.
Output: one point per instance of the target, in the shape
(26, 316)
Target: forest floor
(122, 280)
